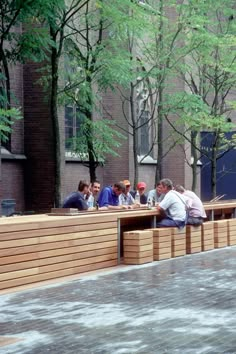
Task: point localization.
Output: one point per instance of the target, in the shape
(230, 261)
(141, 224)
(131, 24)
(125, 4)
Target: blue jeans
(168, 222)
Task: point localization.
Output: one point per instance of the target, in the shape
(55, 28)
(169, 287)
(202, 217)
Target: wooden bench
(178, 242)
(161, 243)
(193, 239)
(42, 248)
(220, 233)
(138, 247)
(232, 232)
(207, 234)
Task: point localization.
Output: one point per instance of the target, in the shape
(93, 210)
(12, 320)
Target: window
(73, 121)
(6, 143)
(144, 133)
(143, 118)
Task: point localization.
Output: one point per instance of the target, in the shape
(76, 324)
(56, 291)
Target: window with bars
(144, 139)
(5, 143)
(73, 121)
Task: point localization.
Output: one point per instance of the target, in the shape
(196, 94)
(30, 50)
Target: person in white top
(196, 212)
(93, 194)
(126, 198)
(155, 194)
(173, 207)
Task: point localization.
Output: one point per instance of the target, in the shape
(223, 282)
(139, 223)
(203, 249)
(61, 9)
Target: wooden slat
(142, 254)
(52, 238)
(63, 262)
(138, 260)
(46, 221)
(56, 274)
(55, 252)
(6, 236)
(24, 250)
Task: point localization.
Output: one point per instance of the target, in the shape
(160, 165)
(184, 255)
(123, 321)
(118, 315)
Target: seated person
(155, 195)
(126, 197)
(141, 186)
(196, 212)
(92, 197)
(109, 197)
(173, 206)
(77, 199)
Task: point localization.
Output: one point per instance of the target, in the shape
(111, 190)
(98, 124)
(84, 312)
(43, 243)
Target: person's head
(141, 186)
(158, 188)
(127, 184)
(83, 187)
(179, 188)
(165, 185)
(118, 188)
(95, 188)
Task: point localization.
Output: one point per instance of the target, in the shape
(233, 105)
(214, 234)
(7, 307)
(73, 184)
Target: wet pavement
(185, 305)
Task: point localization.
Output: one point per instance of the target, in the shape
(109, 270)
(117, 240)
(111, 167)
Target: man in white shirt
(126, 198)
(196, 212)
(93, 194)
(155, 194)
(173, 207)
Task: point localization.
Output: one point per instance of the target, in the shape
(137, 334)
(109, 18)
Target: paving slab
(185, 305)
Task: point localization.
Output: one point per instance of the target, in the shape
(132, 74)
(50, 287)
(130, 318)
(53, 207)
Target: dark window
(3, 100)
(144, 134)
(73, 121)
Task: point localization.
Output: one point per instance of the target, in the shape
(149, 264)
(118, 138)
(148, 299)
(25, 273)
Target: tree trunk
(133, 114)
(159, 169)
(92, 161)
(135, 156)
(56, 129)
(88, 112)
(195, 158)
(213, 167)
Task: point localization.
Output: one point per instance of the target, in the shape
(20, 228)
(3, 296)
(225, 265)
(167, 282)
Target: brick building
(27, 165)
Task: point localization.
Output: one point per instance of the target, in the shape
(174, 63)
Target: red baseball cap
(141, 185)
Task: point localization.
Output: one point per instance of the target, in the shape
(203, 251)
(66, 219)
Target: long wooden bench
(43, 247)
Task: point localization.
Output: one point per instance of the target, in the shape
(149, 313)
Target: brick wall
(13, 182)
(116, 168)
(76, 171)
(39, 142)
(12, 170)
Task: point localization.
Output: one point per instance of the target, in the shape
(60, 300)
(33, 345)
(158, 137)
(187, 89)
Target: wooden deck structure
(42, 247)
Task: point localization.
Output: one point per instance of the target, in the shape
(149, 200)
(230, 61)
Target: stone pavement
(185, 305)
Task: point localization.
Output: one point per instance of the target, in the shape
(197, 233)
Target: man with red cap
(141, 186)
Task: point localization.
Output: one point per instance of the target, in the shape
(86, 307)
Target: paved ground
(186, 305)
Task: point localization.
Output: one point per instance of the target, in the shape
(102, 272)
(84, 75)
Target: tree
(210, 73)
(127, 74)
(84, 49)
(17, 45)
(57, 16)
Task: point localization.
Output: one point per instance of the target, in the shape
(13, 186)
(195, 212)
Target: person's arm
(164, 205)
(81, 204)
(161, 211)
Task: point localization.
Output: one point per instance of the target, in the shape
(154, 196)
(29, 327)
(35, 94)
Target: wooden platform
(36, 248)
(42, 247)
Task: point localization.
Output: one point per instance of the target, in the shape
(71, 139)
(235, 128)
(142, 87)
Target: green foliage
(7, 118)
(106, 139)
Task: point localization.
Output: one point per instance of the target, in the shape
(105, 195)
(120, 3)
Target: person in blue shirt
(77, 199)
(109, 197)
